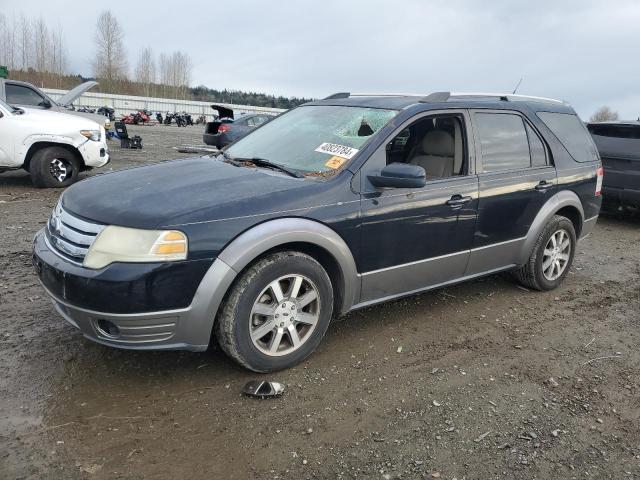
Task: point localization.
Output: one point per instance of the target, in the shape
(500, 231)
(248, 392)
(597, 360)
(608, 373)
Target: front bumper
(95, 154)
(123, 325)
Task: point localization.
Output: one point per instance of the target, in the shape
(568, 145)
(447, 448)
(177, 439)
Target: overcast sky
(583, 51)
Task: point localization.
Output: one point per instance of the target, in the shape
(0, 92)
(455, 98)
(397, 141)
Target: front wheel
(54, 167)
(551, 257)
(276, 313)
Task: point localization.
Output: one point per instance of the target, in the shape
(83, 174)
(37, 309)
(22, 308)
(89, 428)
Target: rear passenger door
(516, 178)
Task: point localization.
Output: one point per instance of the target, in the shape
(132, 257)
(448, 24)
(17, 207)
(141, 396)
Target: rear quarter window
(572, 133)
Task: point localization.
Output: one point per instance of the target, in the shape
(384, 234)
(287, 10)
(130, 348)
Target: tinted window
(19, 95)
(622, 131)
(538, 152)
(503, 140)
(259, 120)
(573, 134)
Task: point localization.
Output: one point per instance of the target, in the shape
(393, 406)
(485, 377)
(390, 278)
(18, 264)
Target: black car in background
(333, 206)
(619, 146)
(227, 129)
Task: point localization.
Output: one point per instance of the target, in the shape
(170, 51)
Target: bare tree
(175, 73)
(25, 42)
(8, 43)
(110, 63)
(604, 114)
(41, 45)
(146, 70)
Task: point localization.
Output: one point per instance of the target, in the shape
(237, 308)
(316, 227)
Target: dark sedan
(226, 129)
(619, 146)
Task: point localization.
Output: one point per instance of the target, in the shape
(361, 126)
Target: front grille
(70, 236)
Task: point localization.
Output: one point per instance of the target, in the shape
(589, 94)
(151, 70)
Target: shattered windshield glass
(313, 139)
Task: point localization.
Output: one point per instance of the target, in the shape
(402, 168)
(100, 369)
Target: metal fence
(124, 104)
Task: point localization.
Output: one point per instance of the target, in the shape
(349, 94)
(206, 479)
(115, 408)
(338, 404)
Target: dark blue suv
(333, 206)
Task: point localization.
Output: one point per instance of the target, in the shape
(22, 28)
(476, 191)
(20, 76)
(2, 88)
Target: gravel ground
(480, 380)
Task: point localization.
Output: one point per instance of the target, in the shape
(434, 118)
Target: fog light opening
(108, 329)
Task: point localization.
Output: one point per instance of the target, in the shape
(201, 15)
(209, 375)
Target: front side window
(314, 138)
(433, 143)
(503, 141)
(20, 95)
(573, 134)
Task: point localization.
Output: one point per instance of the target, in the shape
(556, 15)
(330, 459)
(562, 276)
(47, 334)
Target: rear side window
(503, 140)
(538, 151)
(573, 135)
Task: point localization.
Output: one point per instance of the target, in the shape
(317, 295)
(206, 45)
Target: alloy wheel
(284, 315)
(60, 169)
(556, 255)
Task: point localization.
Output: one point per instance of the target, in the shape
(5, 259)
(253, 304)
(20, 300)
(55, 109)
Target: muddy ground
(481, 380)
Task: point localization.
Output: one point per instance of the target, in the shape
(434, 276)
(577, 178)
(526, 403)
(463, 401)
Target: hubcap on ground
(284, 315)
(60, 169)
(556, 255)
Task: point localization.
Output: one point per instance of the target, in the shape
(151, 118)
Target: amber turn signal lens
(169, 248)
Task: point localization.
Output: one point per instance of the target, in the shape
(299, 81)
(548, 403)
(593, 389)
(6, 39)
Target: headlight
(107, 125)
(91, 134)
(120, 244)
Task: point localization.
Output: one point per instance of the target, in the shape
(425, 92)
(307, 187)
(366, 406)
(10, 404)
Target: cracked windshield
(314, 138)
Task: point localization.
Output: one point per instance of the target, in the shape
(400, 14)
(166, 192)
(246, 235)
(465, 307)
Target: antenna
(518, 85)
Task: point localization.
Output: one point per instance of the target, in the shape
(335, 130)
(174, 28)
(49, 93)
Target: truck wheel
(276, 313)
(551, 257)
(53, 167)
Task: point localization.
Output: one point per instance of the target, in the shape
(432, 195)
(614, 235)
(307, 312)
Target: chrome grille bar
(70, 236)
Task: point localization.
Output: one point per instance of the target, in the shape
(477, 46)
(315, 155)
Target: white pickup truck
(25, 95)
(53, 147)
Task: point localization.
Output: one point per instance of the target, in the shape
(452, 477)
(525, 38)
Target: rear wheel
(54, 167)
(551, 257)
(276, 313)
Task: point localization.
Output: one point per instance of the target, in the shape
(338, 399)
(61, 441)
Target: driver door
(416, 238)
(6, 140)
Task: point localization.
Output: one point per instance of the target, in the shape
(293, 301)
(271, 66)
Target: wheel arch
(39, 145)
(565, 203)
(304, 235)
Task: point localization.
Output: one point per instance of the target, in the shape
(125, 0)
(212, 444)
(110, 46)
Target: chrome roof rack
(439, 97)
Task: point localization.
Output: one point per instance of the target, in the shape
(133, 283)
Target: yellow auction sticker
(335, 162)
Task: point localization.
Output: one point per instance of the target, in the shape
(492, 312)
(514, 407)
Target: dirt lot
(481, 380)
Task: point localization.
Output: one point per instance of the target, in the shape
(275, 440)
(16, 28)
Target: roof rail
(439, 97)
(349, 95)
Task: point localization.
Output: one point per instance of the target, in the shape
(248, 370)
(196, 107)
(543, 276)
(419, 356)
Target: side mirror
(400, 175)
(45, 104)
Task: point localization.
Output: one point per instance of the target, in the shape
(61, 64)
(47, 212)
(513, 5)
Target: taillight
(224, 128)
(600, 174)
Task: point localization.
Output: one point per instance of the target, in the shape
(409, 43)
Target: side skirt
(369, 303)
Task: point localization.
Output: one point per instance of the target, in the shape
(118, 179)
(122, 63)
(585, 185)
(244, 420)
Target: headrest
(438, 143)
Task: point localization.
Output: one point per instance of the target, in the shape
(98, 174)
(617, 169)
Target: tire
(258, 332)
(538, 273)
(54, 167)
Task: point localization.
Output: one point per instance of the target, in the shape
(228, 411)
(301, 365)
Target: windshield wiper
(262, 162)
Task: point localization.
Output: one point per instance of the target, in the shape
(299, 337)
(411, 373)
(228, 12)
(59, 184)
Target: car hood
(179, 192)
(75, 93)
(53, 121)
(100, 119)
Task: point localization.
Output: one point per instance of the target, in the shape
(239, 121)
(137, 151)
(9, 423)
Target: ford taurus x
(333, 206)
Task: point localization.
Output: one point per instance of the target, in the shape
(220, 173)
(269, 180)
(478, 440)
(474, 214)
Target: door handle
(543, 185)
(457, 201)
